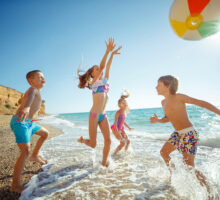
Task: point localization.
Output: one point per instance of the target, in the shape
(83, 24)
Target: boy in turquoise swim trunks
(185, 136)
(23, 127)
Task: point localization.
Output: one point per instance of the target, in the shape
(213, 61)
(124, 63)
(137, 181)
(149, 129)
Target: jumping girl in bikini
(93, 80)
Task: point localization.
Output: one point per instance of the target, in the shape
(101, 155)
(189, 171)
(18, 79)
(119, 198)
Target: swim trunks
(23, 131)
(185, 140)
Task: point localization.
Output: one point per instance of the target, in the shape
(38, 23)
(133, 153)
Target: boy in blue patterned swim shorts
(185, 136)
(23, 126)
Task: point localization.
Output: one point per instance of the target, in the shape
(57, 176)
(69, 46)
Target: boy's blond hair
(171, 81)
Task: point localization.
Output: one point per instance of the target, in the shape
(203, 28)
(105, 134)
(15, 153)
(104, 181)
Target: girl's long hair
(84, 79)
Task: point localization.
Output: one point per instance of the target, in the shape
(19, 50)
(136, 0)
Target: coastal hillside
(9, 100)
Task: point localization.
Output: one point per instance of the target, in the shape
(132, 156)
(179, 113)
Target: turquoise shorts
(24, 130)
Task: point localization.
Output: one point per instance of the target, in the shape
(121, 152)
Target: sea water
(74, 170)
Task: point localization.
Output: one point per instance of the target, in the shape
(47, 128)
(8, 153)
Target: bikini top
(121, 120)
(100, 86)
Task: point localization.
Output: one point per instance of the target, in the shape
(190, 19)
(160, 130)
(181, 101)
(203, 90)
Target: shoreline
(9, 153)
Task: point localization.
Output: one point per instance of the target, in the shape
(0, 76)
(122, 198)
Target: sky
(53, 36)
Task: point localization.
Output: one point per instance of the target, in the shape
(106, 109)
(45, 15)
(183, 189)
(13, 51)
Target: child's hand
(116, 51)
(130, 129)
(110, 45)
(154, 119)
(23, 114)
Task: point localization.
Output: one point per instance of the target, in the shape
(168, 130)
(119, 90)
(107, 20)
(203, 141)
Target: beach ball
(195, 19)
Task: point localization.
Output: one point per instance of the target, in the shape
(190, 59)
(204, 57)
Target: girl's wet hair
(84, 79)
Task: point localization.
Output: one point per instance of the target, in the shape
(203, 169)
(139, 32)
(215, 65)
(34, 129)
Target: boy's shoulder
(32, 91)
(180, 95)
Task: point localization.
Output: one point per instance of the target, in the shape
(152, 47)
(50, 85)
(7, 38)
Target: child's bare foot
(105, 164)
(18, 188)
(37, 159)
(80, 140)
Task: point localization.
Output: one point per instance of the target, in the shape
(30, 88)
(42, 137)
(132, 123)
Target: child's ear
(30, 80)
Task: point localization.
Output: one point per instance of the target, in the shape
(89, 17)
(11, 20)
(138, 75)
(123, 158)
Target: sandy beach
(8, 155)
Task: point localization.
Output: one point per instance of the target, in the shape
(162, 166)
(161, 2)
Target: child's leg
(19, 166)
(126, 139)
(165, 152)
(122, 143)
(127, 144)
(119, 147)
(43, 133)
(105, 129)
(116, 134)
(189, 160)
(92, 133)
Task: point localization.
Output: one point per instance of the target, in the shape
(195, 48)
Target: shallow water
(74, 170)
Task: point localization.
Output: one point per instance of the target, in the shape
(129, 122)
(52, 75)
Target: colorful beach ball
(195, 19)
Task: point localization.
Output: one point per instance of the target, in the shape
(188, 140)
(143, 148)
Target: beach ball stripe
(197, 6)
(195, 19)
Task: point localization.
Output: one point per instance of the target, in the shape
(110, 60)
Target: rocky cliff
(9, 101)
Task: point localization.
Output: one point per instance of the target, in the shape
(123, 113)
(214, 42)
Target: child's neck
(39, 89)
(168, 96)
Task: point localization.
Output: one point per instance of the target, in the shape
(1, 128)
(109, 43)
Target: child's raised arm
(109, 47)
(110, 61)
(201, 103)
(23, 113)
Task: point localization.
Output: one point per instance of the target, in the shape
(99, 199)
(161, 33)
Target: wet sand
(8, 155)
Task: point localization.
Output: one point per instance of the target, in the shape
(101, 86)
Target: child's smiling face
(38, 80)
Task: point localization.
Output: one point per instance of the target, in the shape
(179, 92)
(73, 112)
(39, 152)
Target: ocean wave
(211, 139)
(57, 122)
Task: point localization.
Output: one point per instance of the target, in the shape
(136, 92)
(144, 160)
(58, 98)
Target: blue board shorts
(23, 131)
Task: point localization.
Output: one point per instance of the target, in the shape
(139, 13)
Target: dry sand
(8, 155)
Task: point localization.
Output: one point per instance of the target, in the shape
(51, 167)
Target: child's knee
(163, 153)
(45, 134)
(122, 143)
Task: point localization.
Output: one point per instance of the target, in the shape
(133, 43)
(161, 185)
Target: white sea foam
(74, 171)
